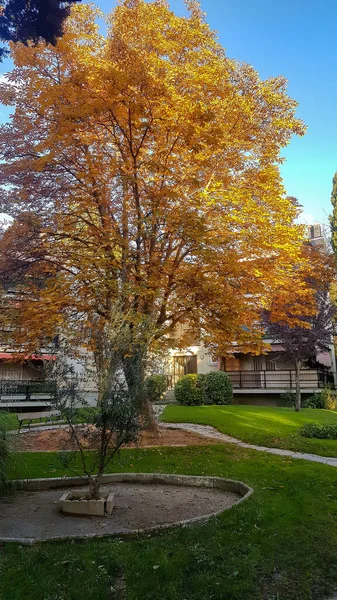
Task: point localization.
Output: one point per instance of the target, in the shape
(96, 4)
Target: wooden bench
(31, 416)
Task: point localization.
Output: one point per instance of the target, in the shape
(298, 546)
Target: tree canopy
(142, 169)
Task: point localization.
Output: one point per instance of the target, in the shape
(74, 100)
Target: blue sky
(295, 38)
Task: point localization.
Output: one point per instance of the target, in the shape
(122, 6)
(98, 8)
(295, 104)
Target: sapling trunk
(94, 486)
(298, 386)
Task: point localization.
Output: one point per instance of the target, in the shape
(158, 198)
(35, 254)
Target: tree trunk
(298, 386)
(135, 378)
(150, 421)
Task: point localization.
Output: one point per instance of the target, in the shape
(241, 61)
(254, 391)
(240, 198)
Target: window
(232, 364)
(212, 360)
(11, 371)
(257, 363)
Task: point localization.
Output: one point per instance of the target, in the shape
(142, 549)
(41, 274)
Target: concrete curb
(226, 485)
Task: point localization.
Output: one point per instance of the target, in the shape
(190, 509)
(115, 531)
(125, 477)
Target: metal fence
(25, 389)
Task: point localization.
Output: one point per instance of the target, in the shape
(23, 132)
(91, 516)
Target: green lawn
(281, 544)
(82, 415)
(261, 425)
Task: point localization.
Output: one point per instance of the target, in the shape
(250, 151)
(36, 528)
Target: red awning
(11, 355)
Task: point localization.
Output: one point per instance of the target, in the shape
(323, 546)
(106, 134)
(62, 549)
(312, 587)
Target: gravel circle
(34, 515)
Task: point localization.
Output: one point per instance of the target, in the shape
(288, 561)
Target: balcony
(278, 381)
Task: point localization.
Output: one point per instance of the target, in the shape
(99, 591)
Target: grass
(261, 425)
(281, 544)
(85, 415)
(8, 421)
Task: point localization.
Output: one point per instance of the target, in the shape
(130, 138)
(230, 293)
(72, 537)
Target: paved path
(211, 432)
(37, 428)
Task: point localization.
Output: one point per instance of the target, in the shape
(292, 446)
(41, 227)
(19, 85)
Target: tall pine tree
(32, 20)
(333, 217)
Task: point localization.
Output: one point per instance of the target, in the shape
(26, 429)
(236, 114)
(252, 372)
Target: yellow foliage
(143, 169)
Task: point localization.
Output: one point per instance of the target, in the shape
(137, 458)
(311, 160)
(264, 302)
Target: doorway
(184, 365)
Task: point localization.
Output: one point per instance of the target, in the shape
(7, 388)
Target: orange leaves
(296, 298)
(152, 161)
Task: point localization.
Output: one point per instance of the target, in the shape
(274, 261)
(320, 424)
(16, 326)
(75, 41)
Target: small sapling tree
(104, 428)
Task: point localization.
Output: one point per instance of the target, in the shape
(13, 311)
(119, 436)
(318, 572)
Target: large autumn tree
(142, 172)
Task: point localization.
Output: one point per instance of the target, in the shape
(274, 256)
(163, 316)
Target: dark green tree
(333, 217)
(32, 20)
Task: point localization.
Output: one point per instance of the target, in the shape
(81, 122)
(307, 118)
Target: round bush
(156, 386)
(189, 390)
(218, 388)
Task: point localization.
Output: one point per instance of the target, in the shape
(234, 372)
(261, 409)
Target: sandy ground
(54, 440)
(34, 515)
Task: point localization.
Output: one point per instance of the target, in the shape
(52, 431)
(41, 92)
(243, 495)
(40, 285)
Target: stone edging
(227, 485)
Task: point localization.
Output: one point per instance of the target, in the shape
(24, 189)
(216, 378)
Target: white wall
(205, 362)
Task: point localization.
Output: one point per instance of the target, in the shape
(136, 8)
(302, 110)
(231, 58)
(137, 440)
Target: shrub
(156, 386)
(322, 432)
(189, 390)
(218, 388)
(324, 399)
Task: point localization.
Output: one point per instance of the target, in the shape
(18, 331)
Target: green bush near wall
(196, 389)
(189, 390)
(156, 386)
(324, 399)
(218, 388)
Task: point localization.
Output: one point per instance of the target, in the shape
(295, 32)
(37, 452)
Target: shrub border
(228, 485)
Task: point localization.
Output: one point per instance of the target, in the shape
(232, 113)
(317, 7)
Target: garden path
(210, 432)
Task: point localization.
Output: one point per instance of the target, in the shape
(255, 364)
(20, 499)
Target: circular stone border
(226, 485)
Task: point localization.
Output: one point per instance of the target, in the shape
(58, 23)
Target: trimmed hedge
(156, 386)
(196, 389)
(218, 388)
(327, 431)
(189, 390)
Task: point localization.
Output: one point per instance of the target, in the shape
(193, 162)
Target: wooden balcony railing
(283, 379)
